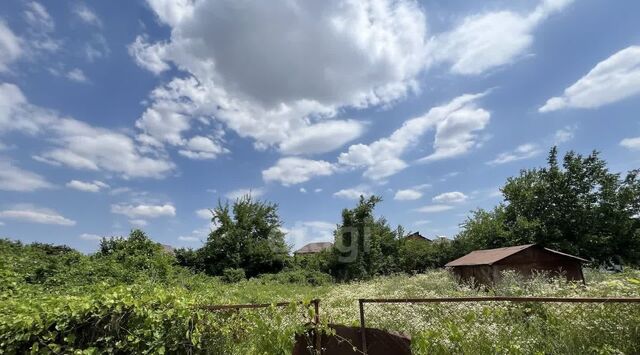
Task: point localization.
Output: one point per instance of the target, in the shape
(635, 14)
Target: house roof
(313, 248)
(417, 235)
(491, 256)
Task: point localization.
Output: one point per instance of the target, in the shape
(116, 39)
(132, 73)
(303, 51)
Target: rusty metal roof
(490, 256)
(312, 248)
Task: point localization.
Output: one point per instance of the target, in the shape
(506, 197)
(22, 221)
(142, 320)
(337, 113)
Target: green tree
(364, 246)
(579, 207)
(248, 236)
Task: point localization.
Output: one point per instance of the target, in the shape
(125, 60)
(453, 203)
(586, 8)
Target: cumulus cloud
(301, 63)
(13, 178)
(413, 193)
(240, 193)
(353, 193)
(204, 213)
(77, 144)
(144, 211)
(631, 143)
(455, 123)
(200, 147)
(450, 197)
(485, 41)
(292, 170)
(613, 79)
(321, 137)
(10, 47)
(304, 232)
(93, 186)
(31, 214)
(524, 151)
(434, 208)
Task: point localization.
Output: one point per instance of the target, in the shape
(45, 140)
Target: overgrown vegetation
(132, 296)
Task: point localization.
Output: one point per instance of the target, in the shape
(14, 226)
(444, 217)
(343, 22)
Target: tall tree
(247, 236)
(579, 207)
(364, 246)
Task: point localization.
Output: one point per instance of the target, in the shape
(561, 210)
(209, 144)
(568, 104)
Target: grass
(155, 317)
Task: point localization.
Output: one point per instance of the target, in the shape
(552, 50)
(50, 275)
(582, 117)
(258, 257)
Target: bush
(233, 275)
(298, 276)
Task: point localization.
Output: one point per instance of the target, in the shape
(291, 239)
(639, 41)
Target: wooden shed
(485, 266)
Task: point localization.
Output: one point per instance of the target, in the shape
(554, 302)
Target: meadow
(79, 310)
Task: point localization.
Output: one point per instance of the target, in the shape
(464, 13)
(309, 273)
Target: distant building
(417, 236)
(485, 266)
(313, 248)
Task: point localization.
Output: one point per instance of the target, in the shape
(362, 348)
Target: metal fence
(431, 312)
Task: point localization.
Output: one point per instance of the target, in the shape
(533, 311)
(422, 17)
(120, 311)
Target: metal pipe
(504, 299)
(363, 329)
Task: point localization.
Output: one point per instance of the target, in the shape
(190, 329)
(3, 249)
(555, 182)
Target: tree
(364, 246)
(580, 208)
(248, 236)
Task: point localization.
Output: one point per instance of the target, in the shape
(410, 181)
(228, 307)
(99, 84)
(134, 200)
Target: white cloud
(77, 75)
(450, 197)
(352, 193)
(239, 193)
(200, 147)
(321, 137)
(291, 170)
(302, 233)
(524, 151)
(631, 143)
(421, 222)
(89, 236)
(303, 190)
(613, 79)
(485, 41)
(13, 178)
(434, 208)
(455, 123)
(86, 15)
(149, 56)
(407, 195)
(10, 47)
(301, 64)
(317, 190)
(38, 17)
(94, 186)
(30, 214)
(204, 213)
(77, 144)
(144, 211)
(564, 135)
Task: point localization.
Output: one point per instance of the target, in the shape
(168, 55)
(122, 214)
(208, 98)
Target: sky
(145, 114)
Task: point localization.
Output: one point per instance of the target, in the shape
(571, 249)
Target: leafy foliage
(248, 236)
(581, 208)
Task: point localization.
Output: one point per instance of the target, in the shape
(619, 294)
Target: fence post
(318, 339)
(363, 331)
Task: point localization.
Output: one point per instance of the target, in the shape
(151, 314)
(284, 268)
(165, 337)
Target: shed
(417, 236)
(485, 266)
(313, 248)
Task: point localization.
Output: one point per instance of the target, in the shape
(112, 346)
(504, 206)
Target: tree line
(576, 206)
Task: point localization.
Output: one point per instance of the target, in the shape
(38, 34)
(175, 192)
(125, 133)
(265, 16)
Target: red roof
(491, 256)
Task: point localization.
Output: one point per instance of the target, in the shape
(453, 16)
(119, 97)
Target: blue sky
(118, 114)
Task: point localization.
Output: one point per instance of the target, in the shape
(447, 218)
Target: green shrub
(298, 276)
(233, 275)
